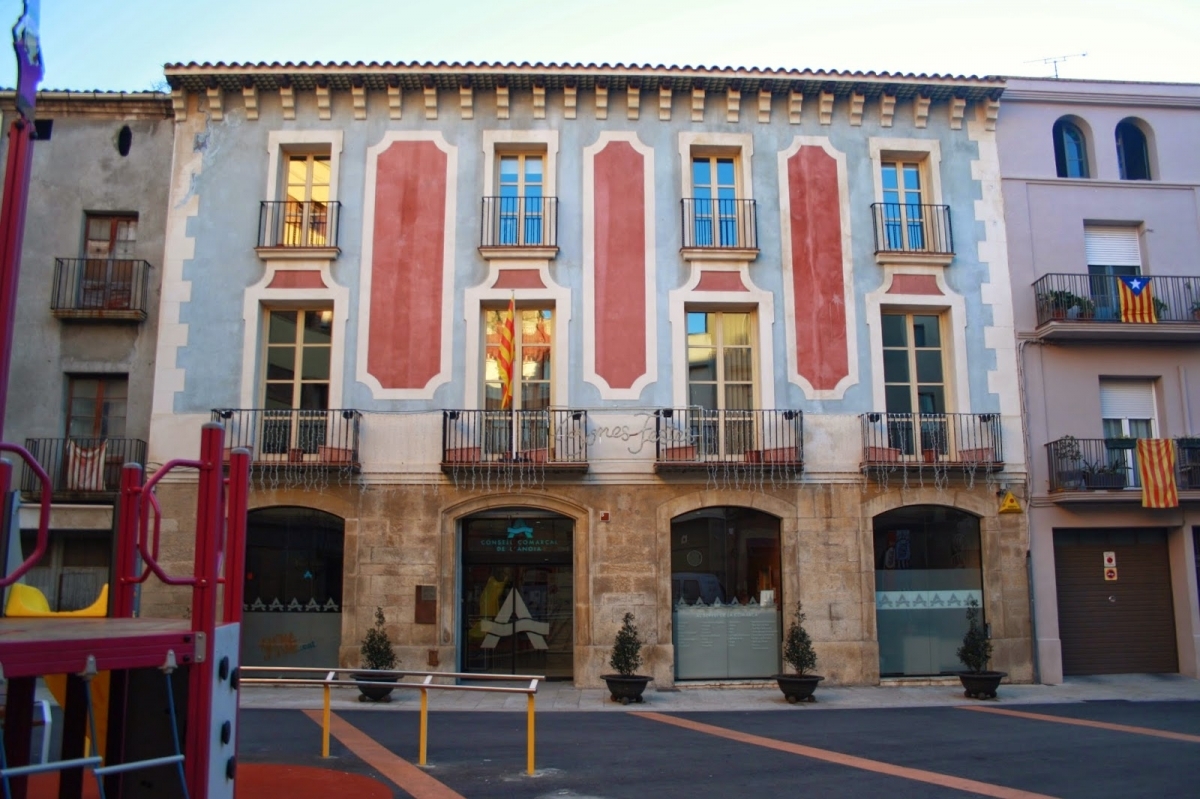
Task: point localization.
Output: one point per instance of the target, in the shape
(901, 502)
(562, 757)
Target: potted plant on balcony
(1100, 475)
(975, 652)
(1196, 310)
(377, 655)
(1063, 304)
(1121, 442)
(1068, 467)
(1161, 310)
(625, 686)
(798, 653)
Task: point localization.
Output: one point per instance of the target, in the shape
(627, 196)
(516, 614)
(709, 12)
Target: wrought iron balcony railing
(968, 440)
(290, 224)
(82, 467)
(1096, 464)
(1097, 298)
(100, 288)
(912, 228)
(698, 438)
(302, 438)
(519, 222)
(719, 224)
(547, 437)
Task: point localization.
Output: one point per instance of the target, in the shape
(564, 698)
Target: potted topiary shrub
(798, 653)
(625, 686)
(377, 655)
(975, 652)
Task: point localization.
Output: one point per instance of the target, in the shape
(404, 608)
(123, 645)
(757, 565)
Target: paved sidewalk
(557, 696)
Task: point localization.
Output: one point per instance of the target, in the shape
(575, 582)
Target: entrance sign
(500, 627)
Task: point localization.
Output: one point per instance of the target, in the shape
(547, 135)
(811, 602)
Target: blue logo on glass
(519, 527)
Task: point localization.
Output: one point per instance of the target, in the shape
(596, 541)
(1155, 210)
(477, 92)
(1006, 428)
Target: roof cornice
(1066, 97)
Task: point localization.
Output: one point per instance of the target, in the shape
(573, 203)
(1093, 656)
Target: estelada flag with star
(507, 351)
(1137, 299)
(1156, 468)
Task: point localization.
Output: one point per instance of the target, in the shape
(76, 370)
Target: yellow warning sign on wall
(1010, 504)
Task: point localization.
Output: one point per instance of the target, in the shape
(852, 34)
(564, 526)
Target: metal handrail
(331, 681)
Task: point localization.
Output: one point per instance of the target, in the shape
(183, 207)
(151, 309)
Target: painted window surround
(953, 309)
(634, 392)
(741, 147)
(851, 305)
(500, 142)
(278, 142)
(259, 300)
(753, 299)
(929, 153)
(550, 295)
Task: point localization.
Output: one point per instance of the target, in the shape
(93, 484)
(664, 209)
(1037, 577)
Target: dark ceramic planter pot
(374, 693)
(798, 687)
(625, 689)
(981, 684)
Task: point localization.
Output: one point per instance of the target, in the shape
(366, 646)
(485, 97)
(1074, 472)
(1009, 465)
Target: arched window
(1070, 150)
(1133, 156)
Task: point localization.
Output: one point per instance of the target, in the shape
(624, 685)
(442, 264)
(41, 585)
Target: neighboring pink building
(1101, 181)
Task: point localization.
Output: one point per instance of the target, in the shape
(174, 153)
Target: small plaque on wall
(425, 610)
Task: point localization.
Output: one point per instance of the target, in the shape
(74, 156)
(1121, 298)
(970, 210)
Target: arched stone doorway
(928, 565)
(517, 613)
(725, 593)
(293, 587)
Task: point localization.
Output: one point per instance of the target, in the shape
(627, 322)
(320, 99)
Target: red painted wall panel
(405, 345)
(620, 275)
(818, 285)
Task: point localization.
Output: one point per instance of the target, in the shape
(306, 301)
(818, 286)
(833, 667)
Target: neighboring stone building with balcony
(1101, 190)
(87, 320)
(755, 363)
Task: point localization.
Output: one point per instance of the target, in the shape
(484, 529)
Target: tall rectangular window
(296, 382)
(1127, 410)
(111, 236)
(96, 406)
(521, 211)
(306, 212)
(1112, 251)
(110, 242)
(714, 198)
(720, 353)
(903, 205)
(914, 382)
(533, 347)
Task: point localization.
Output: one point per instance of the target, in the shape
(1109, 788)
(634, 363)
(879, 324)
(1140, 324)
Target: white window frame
(280, 143)
(740, 147)
(520, 142)
(518, 350)
(300, 346)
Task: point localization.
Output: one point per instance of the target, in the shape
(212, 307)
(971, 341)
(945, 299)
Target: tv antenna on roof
(1055, 60)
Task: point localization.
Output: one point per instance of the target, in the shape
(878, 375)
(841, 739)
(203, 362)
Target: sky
(123, 44)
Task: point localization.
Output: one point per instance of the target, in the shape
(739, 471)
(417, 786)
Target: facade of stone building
(86, 320)
(1101, 192)
(762, 353)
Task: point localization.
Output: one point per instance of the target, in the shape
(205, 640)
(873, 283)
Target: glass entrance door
(518, 595)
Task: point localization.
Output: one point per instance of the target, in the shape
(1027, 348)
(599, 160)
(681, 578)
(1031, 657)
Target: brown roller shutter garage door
(1121, 627)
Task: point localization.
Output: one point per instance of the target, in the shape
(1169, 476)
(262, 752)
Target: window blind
(1112, 246)
(1126, 399)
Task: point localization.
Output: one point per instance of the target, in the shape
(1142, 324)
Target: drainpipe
(1037, 671)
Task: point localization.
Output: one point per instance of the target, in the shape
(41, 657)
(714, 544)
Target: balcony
(1106, 470)
(912, 233)
(716, 229)
(1074, 307)
(297, 230)
(698, 438)
(519, 227)
(94, 289)
(81, 469)
(964, 442)
(553, 440)
(307, 439)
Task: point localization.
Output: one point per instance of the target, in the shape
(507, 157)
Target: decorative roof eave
(414, 76)
(127, 105)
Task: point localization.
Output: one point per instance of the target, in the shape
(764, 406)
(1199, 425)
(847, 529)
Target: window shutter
(1126, 399)
(1112, 246)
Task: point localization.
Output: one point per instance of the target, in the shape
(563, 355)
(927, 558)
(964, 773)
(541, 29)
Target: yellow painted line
(1099, 725)
(839, 759)
(408, 777)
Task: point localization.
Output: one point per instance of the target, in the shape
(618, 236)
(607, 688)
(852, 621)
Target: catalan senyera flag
(507, 351)
(1137, 299)
(1156, 467)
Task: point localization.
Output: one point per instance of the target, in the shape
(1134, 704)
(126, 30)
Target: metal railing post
(424, 735)
(325, 716)
(530, 753)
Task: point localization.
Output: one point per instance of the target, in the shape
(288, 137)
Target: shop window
(725, 581)
(928, 565)
(294, 560)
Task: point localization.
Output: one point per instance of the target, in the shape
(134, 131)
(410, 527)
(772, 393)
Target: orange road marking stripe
(408, 777)
(1099, 725)
(837, 758)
